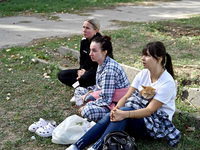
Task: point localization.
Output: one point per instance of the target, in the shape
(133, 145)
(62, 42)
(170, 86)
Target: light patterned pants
(90, 111)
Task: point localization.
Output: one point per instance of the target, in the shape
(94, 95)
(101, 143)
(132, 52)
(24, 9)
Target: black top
(85, 60)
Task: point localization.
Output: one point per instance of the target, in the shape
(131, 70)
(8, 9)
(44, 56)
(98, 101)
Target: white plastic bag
(70, 130)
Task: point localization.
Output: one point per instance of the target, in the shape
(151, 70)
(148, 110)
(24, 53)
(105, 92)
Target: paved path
(21, 29)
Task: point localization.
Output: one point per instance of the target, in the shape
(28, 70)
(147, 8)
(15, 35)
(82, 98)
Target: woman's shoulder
(112, 62)
(114, 66)
(144, 72)
(97, 34)
(83, 39)
(167, 78)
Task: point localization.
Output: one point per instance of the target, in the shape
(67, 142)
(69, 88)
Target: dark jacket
(85, 60)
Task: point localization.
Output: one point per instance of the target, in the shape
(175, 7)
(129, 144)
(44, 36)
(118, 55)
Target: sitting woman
(139, 117)
(86, 73)
(109, 77)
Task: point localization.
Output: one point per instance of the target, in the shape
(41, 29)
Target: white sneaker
(46, 131)
(36, 125)
(90, 148)
(73, 99)
(72, 147)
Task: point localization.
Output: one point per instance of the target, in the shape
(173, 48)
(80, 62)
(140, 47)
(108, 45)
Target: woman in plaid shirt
(110, 76)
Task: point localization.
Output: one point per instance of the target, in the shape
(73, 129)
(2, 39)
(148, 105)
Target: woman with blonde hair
(86, 73)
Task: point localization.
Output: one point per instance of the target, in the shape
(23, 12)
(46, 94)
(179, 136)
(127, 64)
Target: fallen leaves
(46, 76)
(189, 129)
(8, 96)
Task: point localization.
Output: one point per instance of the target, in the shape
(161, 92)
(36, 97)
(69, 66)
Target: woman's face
(149, 62)
(96, 53)
(88, 30)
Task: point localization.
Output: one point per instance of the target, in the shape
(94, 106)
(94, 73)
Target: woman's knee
(87, 79)
(62, 75)
(106, 118)
(86, 113)
(89, 113)
(59, 75)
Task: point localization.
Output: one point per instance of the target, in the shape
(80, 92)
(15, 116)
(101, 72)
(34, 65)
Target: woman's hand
(117, 115)
(116, 107)
(80, 110)
(80, 73)
(83, 97)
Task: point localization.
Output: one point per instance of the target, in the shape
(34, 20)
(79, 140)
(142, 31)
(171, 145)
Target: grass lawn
(18, 7)
(30, 90)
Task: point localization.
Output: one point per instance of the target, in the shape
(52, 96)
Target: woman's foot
(91, 148)
(72, 147)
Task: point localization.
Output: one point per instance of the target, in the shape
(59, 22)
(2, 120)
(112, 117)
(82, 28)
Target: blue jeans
(104, 126)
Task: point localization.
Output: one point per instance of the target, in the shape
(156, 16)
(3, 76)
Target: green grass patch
(15, 7)
(26, 96)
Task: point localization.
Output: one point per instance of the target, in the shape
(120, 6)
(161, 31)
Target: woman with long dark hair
(139, 117)
(109, 77)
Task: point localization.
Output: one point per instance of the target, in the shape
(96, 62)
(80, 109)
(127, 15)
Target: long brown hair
(157, 49)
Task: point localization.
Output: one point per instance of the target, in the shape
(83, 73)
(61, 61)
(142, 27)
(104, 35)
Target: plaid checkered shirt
(109, 76)
(158, 124)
